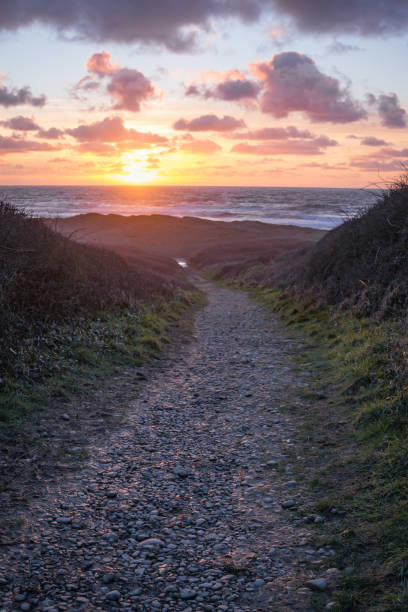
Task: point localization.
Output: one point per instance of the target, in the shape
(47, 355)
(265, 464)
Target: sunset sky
(203, 92)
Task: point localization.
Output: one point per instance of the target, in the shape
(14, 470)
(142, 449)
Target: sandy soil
(160, 236)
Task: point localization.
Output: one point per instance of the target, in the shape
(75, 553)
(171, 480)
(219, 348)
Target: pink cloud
(205, 147)
(128, 87)
(97, 148)
(52, 133)
(274, 133)
(19, 145)
(292, 83)
(395, 152)
(112, 129)
(20, 123)
(373, 163)
(209, 123)
(372, 141)
(100, 64)
(289, 147)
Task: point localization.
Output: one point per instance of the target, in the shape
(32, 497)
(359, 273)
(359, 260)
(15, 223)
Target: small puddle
(181, 262)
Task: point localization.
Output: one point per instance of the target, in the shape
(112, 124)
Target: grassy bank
(346, 299)
(356, 448)
(71, 313)
(73, 357)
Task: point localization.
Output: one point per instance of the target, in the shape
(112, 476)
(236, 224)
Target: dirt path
(181, 509)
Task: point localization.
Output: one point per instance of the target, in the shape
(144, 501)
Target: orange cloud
(205, 147)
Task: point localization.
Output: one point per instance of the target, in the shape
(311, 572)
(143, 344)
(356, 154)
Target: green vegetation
(362, 264)
(73, 357)
(346, 299)
(360, 433)
(70, 314)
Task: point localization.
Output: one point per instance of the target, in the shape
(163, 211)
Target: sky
(203, 92)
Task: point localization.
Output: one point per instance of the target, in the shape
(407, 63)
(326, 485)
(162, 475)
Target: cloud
(20, 123)
(372, 141)
(19, 97)
(97, 148)
(339, 48)
(230, 89)
(100, 64)
(389, 109)
(112, 130)
(378, 164)
(395, 152)
(176, 24)
(365, 17)
(19, 145)
(128, 87)
(52, 133)
(172, 24)
(289, 147)
(205, 147)
(209, 123)
(274, 133)
(386, 160)
(292, 82)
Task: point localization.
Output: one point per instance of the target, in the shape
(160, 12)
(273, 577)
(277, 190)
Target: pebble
(113, 595)
(318, 584)
(179, 508)
(187, 594)
(289, 503)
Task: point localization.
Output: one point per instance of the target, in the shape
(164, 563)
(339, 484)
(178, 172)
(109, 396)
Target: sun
(137, 170)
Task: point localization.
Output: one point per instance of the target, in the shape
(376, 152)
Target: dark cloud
(203, 147)
(292, 82)
(372, 141)
(20, 123)
(389, 109)
(19, 145)
(127, 86)
(314, 146)
(365, 17)
(19, 97)
(209, 123)
(230, 89)
(172, 24)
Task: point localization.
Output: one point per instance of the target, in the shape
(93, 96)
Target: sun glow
(137, 169)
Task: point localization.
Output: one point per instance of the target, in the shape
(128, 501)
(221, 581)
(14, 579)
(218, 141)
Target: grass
(356, 446)
(362, 264)
(71, 313)
(72, 357)
(47, 279)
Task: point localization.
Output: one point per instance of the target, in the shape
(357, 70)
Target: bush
(46, 278)
(363, 264)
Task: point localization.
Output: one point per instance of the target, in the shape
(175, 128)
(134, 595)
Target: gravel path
(181, 509)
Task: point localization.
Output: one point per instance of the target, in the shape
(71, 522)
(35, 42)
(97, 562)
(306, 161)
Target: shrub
(363, 264)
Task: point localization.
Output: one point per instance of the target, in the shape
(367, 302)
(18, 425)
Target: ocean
(318, 208)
